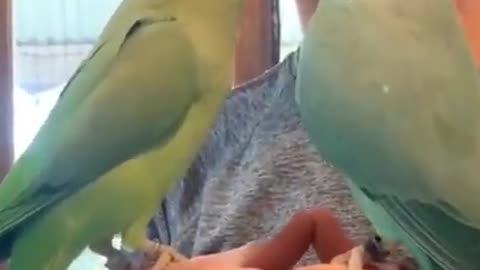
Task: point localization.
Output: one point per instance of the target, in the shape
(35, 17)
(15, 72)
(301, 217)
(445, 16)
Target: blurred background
(51, 38)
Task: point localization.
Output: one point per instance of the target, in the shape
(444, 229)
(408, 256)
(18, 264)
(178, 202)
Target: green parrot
(128, 124)
(389, 94)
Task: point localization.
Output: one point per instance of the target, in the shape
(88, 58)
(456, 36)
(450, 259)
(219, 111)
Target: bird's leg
(152, 256)
(116, 259)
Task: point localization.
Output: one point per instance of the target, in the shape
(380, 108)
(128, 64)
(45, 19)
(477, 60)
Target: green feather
(127, 126)
(389, 93)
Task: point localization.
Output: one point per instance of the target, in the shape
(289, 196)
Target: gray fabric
(257, 169)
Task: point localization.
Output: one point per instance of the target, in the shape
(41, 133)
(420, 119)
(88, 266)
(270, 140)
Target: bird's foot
(377, 254)
(154, 257)
(408, 263)
(353, 259)
(376, 249)
(167, 255)
(358, 259)
(381, 252)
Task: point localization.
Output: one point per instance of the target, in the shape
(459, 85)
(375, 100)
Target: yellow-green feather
(128, 124)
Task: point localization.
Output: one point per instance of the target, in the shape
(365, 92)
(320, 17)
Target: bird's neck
(214, 37)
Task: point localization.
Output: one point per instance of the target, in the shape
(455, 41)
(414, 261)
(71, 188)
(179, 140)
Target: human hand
(282, 252)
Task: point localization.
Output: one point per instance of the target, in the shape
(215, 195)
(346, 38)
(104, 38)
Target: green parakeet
(389, 94)
(129, 123)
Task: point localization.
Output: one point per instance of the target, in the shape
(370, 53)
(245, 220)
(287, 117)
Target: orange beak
(470, 13)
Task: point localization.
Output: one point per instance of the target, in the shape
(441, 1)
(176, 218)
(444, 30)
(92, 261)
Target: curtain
(6, 106)
(259, 42)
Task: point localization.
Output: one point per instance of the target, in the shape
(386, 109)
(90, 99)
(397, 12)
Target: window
(291, 30)
(51, 39)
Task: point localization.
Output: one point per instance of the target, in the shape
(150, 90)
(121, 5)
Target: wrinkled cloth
(256, 171)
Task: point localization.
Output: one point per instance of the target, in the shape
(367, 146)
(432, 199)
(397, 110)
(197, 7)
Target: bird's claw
(384, 254)
(376, 250)
(353, 259)
(167, 255)
(409, 263)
